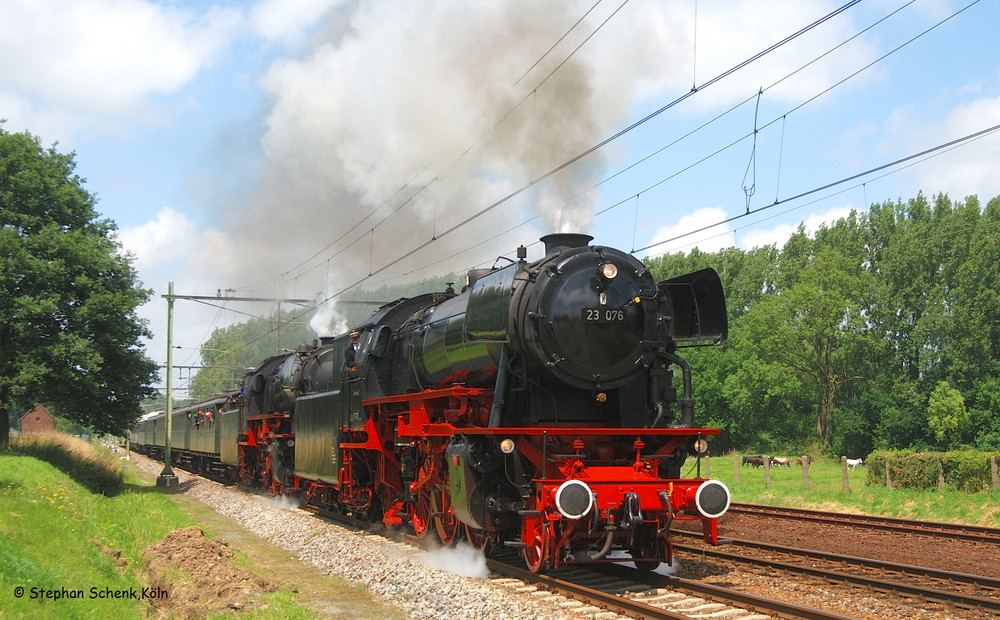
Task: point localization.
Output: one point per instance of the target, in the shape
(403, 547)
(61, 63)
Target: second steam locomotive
(537, 409)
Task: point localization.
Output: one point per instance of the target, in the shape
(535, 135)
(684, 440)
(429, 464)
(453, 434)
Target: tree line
(881, 330)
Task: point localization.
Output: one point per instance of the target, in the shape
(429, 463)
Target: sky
(298, 148)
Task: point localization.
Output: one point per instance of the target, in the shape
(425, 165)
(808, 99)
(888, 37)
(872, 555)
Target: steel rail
(783, 609)
(639, 609)
(909, 569)
(604, 600)
(932, 594)
(930, 528)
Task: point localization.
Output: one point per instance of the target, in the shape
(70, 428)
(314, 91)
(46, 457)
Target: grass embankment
(73, 527)
(825, 492)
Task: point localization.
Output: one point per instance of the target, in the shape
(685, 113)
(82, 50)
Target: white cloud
(712, 239)
(287, 20)
(82, 64)
(173, 247)
(161, 241)
(970, 168)
(780, 233)
(721, 236)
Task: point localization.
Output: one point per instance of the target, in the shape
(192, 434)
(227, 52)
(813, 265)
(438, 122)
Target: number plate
(603, 315)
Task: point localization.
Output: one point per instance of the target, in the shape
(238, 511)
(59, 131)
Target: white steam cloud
(327, 320)
(285, 502)
(405, 119)
(460, 560)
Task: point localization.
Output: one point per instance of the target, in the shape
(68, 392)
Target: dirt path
(231, 568)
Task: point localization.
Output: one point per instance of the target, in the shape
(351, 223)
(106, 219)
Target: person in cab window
(352, 349)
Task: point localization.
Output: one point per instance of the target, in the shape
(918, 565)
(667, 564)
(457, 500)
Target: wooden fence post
(737, 461)
(767, 470)
(940, 475)
(888, 477)
(805, 471)
(996, 476)
(845, 484)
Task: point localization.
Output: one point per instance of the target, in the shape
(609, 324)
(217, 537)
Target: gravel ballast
(446, 583)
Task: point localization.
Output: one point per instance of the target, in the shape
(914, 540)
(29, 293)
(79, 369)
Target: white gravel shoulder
(447, 583)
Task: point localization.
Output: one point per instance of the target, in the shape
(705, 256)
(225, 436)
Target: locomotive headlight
(701, 446)
(608, 271)
(507, 445)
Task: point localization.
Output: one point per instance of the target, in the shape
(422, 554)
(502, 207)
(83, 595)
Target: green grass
(47, 524)
(826, 492)
(50, 517)
(97, 470)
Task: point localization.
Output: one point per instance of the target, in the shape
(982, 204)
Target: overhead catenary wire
(706, 124)
(910, 160)
(353, 228)
(784, 116)
(859, 175)
(752, 164)
(775, 84)
(863, 186)
(556, 44)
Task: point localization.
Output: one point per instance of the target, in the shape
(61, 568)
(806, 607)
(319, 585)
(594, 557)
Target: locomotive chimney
(565, 241)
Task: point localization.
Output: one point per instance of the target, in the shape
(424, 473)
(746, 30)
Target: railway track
(657, 596)
(985, 604)
(971, 583)
(641, 594)
(618, 589)
(908, 526)
(629, 592)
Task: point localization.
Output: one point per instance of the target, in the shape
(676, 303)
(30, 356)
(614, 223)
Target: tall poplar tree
(69, 336)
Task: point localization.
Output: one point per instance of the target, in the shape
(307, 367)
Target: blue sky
(292, 147)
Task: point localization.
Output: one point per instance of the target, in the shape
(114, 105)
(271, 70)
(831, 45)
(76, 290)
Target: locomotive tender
(536, 409)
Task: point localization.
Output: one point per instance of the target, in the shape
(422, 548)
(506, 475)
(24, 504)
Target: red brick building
(37, 420)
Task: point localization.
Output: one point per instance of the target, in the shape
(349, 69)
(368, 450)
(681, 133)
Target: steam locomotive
(536, 409)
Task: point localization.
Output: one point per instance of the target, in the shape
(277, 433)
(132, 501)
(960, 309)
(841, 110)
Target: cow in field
(753, 461)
